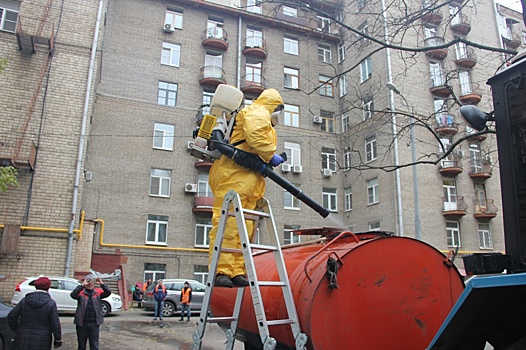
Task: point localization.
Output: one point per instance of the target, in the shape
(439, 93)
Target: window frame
(165, 137)
(157, 223)
(202, 238)
(323, 23)
(169, 92)
(484, 233)
(330, 199)
(341, 52)
(328, 158)
(291, 76)
(327, 123)
(372, 191)
(293, 238)
(366, 70)
(293, 151)
(162, 178)
(289, 11)
(453, 234)
(295, 203)
(291, 117)
(254, 6)
(326, 85)
(4, 14)
(324, 53)
(367, 109)
(291, 45)
(177, 20)
(343, 85)
(347, 199)
(371, 151)
(173, 50)
(346, 122)
(347, 159)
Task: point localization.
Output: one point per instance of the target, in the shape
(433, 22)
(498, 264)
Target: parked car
(6, 334)
(171, 303)
(61, 288)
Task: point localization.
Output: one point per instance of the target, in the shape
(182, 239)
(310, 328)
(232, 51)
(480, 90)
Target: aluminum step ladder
(232, 200)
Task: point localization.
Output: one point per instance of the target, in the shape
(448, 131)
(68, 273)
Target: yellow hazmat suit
(253, 124)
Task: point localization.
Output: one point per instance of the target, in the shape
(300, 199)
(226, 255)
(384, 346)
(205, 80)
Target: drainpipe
(239, 38)
(393, 123)
(81, 141)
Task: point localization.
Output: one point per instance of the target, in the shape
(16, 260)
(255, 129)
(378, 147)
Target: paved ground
(135, 329)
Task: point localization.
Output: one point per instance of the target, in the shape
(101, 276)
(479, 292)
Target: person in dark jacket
(35, 320)
(88, 316)
(138, 295)
(159, 294)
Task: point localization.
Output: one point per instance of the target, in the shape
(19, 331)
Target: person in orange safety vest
(186, 299)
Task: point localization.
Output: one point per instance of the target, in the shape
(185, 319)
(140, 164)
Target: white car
(60, 290)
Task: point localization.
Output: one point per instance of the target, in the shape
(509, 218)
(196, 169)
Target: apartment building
(357, 115)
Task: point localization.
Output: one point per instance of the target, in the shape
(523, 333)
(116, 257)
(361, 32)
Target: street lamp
(416, 200)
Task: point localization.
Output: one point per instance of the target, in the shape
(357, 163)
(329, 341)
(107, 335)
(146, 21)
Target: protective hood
(37, 299)
(270, 99)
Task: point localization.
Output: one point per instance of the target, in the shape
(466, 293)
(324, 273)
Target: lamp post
(416, 199)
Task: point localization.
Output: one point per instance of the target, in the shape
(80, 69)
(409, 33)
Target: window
(290, 201)
(9, 16)
(157, 229)
(453, 234)
(154, 272)
(253, 72)
(254, 6)
(327, 123)
(343, 85)
(475, 159)
(325, 85)
(461, 51)
(346, 122)
(254, 38)
(481, 202)
(174, 17)
(341, 52)
(485, 237)
(465, 82)
(329, 199)
(167, 94)
(324, 24)
(370, 149)
(364, 29)
(292, 78)
(163, 136)
(160, 182)
(290, 237)
(201, 273)
(441, 113)
(324, 53)
(374, 226)
(214, 29)
(367, 109)
(450, 194)
(213, 65)
(290, 45)
(348, 198)
(372, 191)
(365, 70)
(346, 159)
(437, 78)
(203, 189)
(171, 54)
(290, 11)
(202, 232)
(328, 158)
(361, 4)
(207, 100)
(293, 151)
(292, 115)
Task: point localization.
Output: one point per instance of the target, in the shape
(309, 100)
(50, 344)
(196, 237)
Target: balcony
(201, 164)
(432, 17)
(485, 210)
(255, 47)
(203, 203)
(439, 88)
(466, 59)
(445, 124)
(212, 76)
(450, 166)
(455, 209)
(478, 138)
(33, 31)
(438, 53)
(460, 24)
(253, 84)
(216, 38)
(512, 40)
(479, 169)
(470, 94)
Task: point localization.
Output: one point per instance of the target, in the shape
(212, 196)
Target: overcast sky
(512, 4)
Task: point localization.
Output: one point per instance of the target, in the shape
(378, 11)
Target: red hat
(42, 283)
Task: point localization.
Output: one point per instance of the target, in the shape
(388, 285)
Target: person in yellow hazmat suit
(253, 132)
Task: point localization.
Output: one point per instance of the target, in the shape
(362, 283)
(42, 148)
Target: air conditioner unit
(190, 145)
(168, 28)
(286, 167)
(88, 175)
(317, 120)
(297, 169)
(326, 172)
(190, 188)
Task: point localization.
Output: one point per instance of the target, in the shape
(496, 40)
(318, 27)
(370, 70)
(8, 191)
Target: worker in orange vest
(186, 298)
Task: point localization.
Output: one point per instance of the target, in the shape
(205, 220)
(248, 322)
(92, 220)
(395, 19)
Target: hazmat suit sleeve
(260, 134)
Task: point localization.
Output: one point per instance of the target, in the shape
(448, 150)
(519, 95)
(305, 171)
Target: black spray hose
(253, 162)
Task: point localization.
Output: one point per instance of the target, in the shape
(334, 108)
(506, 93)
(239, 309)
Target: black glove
(57, 344)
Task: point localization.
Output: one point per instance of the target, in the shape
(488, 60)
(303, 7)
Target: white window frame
(348, 199)
(364, 29)
(465, 82)
(254, 38)
(290, 237)
(367, 109)
(346, 122)
(156, 224)
(203, 188)
(327, 121)
(154, 274)
(324, 23)
(449, 188)
(437, 77)
(167, 94)
(161, 180)
(290, 45)
(293, 151)
(291, 78)
(201, 276)
(346, 159)
(253, 72)
(366, 71)
(291, 115)
(343, 85)
(290, 202)
(289, 11)
(174, 17)
(341, 52)
(254, 6)
(484, 232)
(371, 152)
(372, 191)
(171, 55)
(324, 53)
(453, 234)
(165, 134)
(374, 225)
(14, 9)
(330, 199)
(202, 234)
(328, 158)
(326, 86)
(207, 101)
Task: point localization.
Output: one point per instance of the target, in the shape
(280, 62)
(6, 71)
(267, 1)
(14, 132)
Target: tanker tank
(362, 291)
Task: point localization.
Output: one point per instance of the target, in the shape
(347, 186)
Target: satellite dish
(474, 117)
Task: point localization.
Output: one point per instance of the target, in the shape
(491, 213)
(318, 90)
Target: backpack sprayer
(212, 140)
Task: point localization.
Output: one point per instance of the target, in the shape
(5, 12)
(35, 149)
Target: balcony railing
(203, 203)
(445, 124)
(432, 17)
(457, 208)
(470, 93)
(253, 84)
(461, 24)
(255, 46)
(215, 38)
(466, 58)
(485, 209)
(512, 40)
(438, 87)
(212, 75)
(479, 169)
(31, 31)
(438, 53)
(450, 166)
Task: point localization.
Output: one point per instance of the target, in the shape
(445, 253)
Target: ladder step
(256, 213)
(280, 322)
(264, 247)
(220, 319)
(272, 284)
